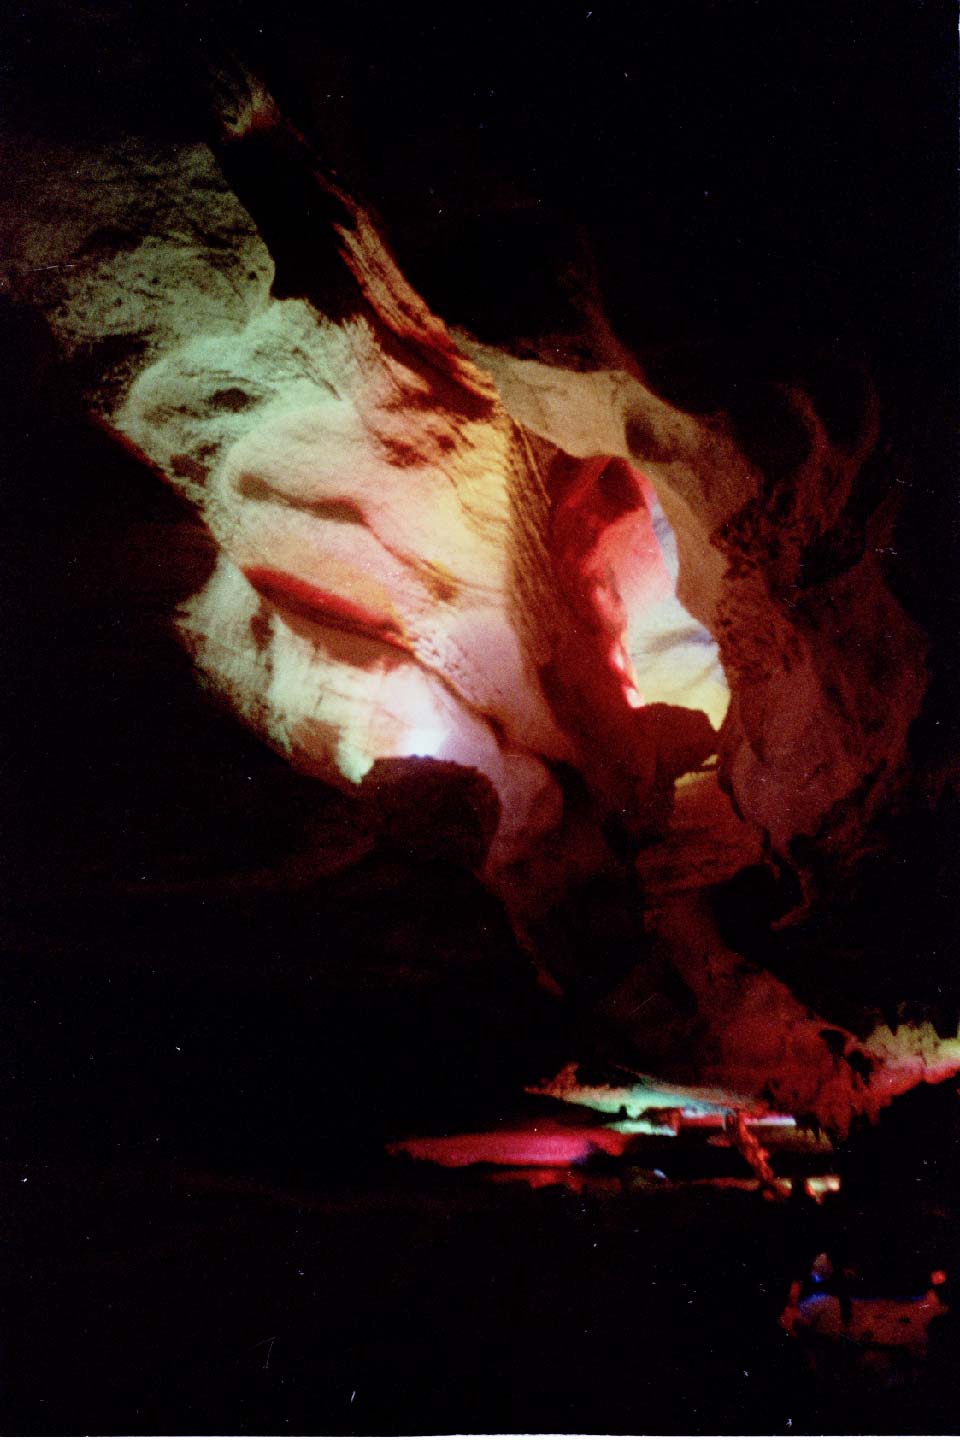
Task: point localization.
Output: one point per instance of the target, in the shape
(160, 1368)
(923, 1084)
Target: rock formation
(435, 547)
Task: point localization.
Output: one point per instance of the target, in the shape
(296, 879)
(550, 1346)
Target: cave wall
(293, 365)
(160, 287)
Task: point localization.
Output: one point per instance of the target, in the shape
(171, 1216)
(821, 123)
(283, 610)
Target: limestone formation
(430, 547)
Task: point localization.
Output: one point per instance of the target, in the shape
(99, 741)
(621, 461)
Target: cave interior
(481, 755)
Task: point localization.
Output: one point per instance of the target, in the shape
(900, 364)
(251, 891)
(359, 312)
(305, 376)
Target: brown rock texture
(825, 668)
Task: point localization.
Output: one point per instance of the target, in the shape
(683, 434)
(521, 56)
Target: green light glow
(645, 1094)
(641, 1127)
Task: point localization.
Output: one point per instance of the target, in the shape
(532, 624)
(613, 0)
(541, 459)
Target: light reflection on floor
(659, 1150)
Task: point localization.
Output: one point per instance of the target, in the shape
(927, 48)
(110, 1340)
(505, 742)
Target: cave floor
(169, 1298)
(197, 1246)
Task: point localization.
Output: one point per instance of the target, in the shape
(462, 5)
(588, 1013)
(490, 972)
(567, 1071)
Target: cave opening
(618, 554)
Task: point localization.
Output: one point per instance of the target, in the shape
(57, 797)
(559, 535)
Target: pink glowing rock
(826, 670)
(537, 1146)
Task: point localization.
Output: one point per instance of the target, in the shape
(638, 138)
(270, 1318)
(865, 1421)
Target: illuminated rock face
(362, 604)
(468, 559)
(404, 571)
(825, 668)
(474, 575)
(431, 548)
